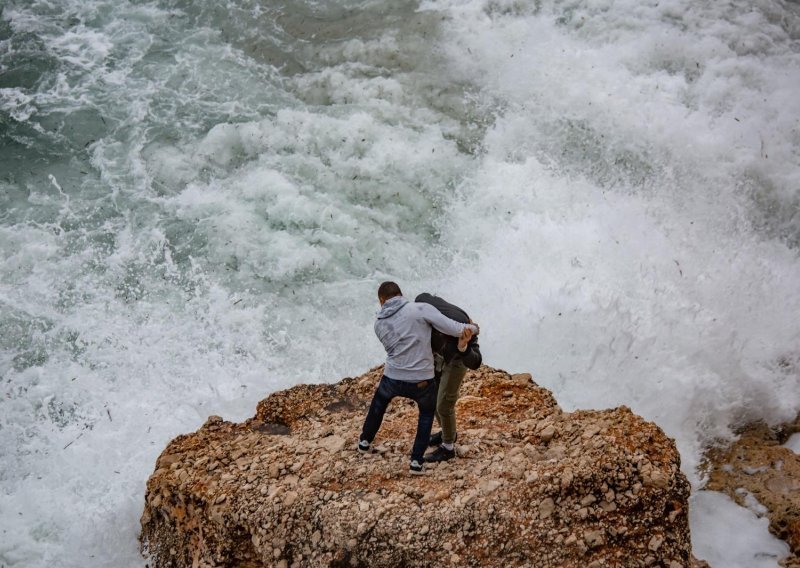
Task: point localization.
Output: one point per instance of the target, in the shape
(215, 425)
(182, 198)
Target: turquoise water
(198, 201)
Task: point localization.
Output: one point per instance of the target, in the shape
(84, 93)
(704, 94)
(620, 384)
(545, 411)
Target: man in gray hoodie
(404, 329)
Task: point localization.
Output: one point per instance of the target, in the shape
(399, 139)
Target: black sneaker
(440, 454)
(363, 446)
(436, 439)
(415, 468)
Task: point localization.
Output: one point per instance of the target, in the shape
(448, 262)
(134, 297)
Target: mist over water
(198, 200)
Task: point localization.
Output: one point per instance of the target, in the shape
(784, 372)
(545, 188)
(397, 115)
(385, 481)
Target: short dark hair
(389, 290)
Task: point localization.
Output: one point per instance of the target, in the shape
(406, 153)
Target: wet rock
(756, 469)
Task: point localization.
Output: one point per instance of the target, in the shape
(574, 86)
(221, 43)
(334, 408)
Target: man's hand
(463, 340)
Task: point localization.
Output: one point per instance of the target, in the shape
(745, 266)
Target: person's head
(388, 290)
(424, 298)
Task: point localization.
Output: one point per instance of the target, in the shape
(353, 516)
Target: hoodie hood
(391, 307)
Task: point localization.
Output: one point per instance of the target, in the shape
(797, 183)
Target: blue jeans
(423, 395)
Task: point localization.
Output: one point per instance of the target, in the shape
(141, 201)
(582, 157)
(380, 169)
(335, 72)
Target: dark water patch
(76, 129)
(326, 22)
(24, 151)
(29, 358)
(24, 61)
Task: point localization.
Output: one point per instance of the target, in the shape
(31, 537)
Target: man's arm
(442, 323)
(472, 357)
(470, 352)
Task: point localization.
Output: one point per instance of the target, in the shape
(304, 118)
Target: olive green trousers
(449, 383)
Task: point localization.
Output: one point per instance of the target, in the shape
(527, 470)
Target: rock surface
(533, 486)
(757, 472)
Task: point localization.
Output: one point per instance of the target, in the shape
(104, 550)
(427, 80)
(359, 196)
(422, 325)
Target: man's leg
(438, 364)
(452, 376)
(377, 408)
(426, 402)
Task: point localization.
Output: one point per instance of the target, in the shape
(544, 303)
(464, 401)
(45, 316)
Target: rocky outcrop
(533, 486)
(757, 472)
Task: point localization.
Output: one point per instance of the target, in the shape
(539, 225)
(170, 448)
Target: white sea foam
(715, 518)
(613, 200)
(751, 502)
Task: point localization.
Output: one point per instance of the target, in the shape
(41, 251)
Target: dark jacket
(447, 346)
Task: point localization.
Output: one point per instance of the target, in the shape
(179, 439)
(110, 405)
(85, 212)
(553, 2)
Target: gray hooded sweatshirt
(404, 328)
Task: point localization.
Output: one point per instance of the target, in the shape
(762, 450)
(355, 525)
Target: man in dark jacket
(452, 357)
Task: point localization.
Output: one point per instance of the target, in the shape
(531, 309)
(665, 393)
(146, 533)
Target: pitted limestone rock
(536, 486)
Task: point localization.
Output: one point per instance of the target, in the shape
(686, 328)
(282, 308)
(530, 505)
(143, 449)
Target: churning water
(199, 198)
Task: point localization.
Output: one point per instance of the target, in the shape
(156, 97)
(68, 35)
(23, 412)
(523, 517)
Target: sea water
(199, 199)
